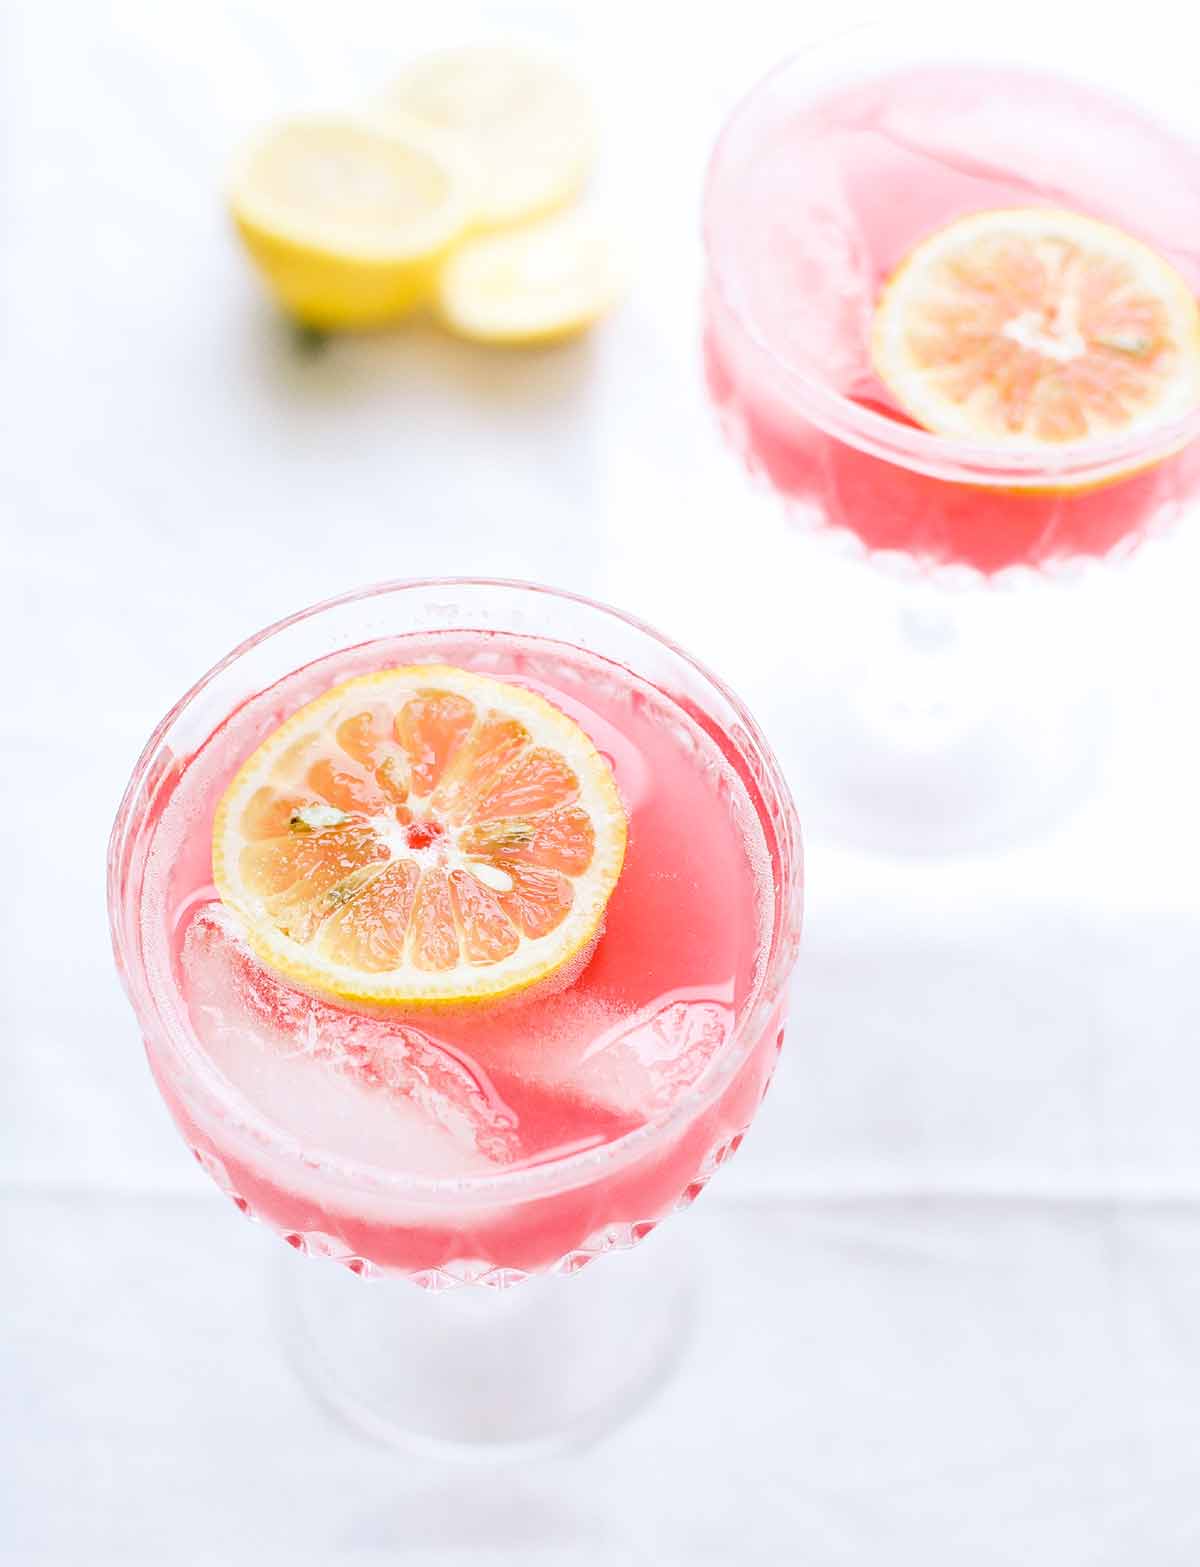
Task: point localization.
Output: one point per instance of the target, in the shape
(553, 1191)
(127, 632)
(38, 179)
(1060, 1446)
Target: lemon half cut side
(347, 223)
(520, 119)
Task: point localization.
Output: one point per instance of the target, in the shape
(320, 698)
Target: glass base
(937, 721)
(481, 1373)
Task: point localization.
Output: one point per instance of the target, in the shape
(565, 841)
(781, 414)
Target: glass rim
(922, 451)
(170, 1023)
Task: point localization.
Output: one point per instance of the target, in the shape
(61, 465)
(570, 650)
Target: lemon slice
(544, 281)
(423, 836)
(1038, 328)
(523, 123)
(347, 223)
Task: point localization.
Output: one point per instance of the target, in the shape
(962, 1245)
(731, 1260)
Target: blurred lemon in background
(531, 284)
(523, 122)
(348, 223)
(453, 190)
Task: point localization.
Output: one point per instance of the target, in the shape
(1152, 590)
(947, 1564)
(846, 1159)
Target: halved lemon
(522, 121)
(538, 283)
(1037, 328)
(423, 836)
(349, 224)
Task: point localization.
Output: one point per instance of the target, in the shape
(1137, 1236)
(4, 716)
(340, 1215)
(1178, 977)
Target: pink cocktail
(824, 181)
(950, 321)
(492, 1142)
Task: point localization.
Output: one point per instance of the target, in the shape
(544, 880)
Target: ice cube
(806, 269)
(1019, 138)
(340, 1083)
(629, 1067)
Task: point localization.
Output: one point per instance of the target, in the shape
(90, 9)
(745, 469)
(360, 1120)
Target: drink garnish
(1038, 329)
(424, 836)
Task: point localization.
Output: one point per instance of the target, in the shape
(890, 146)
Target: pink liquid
(467, 1102)
(809, 214)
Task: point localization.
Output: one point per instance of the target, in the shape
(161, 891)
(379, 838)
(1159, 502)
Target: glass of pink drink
(503, 1143)
(826, 178)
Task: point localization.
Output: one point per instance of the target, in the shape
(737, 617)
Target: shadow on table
(309, 367)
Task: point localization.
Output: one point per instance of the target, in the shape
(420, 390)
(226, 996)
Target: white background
(956, 1270)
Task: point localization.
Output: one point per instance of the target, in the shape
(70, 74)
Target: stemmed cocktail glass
(957, 697)
(477, 1151)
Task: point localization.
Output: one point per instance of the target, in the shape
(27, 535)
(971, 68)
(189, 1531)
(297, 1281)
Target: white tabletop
(955, 1271)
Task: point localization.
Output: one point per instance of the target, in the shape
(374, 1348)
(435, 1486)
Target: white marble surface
(955, 1270)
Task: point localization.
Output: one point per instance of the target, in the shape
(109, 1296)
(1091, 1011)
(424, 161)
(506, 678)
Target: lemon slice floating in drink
(424, 836)
(522, 121)
(1036, 328)
(349, 224)
(544, 281)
